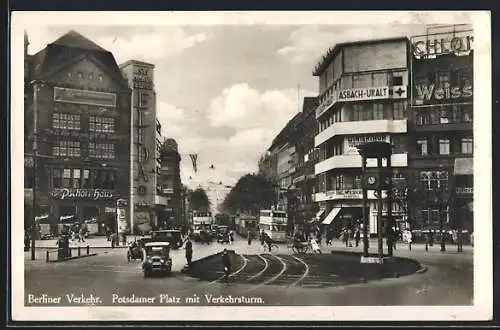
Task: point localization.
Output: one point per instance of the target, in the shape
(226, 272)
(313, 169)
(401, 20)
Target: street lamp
(36, 88)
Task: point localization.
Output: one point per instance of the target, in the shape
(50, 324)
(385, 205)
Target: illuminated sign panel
(80, 96)
(453, 42)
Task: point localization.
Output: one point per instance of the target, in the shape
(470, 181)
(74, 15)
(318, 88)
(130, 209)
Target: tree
(251, 193)
(198, 200)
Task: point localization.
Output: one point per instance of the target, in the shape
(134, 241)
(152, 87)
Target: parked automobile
(157, 259)
(174, 237)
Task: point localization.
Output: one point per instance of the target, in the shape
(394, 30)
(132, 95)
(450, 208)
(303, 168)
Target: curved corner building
(363, 96)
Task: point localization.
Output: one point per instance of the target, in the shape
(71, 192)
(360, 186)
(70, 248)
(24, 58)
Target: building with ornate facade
(304, 180)
(169, 186)
(441, 152)
(363, 96)
(78, 103)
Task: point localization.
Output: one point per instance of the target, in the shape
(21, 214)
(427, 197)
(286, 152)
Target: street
(272, 279)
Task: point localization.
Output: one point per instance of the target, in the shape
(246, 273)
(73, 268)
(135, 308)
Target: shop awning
(329, 218)
(320, 213)
(464, 166)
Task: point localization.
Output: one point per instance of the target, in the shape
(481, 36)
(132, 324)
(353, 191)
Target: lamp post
(36, 89)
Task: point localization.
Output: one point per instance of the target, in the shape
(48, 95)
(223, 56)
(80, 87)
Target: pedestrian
(226, 265)
(431, 238)
(427, 240)
(409, 239)
(395, 236)
(318, 237)
(250, 234)
(81, 235)
(262, 237)
(113, 240)
(315, 246)
(189, 251)
(357, 237)
(231, 237)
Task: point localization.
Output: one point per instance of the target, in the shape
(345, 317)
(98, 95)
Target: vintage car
(174, 237)
(157, 258)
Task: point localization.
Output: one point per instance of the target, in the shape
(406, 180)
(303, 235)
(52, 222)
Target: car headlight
(162, 261)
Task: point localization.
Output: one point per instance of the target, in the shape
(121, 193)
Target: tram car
(246, 224)
(274, 223)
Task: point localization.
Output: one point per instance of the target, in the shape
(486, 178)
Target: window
(108, 179)
(56, 178)
(444, 116)
(101, 124)
(399, 110)
(396, 79)
(91, 76)
(66, 149)
(467, 145)
(76, 178)
(378, 111)
(65, 121)
(339, 182)
(423, 118)
(80, 75)
(66, 178)
(102, 150)
(140, 135)
(357, 182)
(86, 179)
(443, 79)
(467, 114)
(444, 146)
(379, 79)
(434, 180)
(422, 147)
(100, 78)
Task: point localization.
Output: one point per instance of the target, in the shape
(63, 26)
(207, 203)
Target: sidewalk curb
(201, 260)
(73, 258)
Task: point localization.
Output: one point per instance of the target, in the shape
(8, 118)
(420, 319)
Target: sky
(224, 91)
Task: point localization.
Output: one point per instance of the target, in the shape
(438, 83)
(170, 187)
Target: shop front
(96, 207)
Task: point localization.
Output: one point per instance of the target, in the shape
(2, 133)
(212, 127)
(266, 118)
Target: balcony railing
(361, 127)
(354, 161)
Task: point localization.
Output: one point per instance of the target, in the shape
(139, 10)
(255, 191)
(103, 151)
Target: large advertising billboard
(442, 69)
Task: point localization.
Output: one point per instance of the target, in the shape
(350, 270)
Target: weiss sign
(431, 94)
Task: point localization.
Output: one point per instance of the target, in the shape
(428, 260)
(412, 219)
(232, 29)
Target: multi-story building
(362, 97)
(169, 184)
(79, 104)
(441, 152)
(140, 76)
(304, 180)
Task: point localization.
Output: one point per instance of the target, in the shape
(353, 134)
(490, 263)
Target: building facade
(304, 180)
(169, 184)
(441, 152)
(79, 105)
(143, 163)
(363, 96)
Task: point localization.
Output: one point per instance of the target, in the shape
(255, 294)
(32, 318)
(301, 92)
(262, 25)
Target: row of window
(343, 181)
(364, 112)
(445, 146)
(454, 114)
(458, 77)
(89, 76)
(359, 80)
(72, 149)
(83, 178)
(73, 122)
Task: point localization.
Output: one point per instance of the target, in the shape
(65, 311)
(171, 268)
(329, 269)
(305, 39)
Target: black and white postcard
(251, 166)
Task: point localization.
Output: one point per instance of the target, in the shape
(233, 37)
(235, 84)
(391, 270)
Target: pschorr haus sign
(92, 194)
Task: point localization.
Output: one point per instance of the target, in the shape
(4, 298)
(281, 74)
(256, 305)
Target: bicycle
(274, 248)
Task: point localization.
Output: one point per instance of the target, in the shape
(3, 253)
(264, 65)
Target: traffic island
(311, 270)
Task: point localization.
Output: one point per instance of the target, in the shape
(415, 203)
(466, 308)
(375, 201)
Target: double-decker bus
(245, 224)
(201, 221)
(273, 223)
